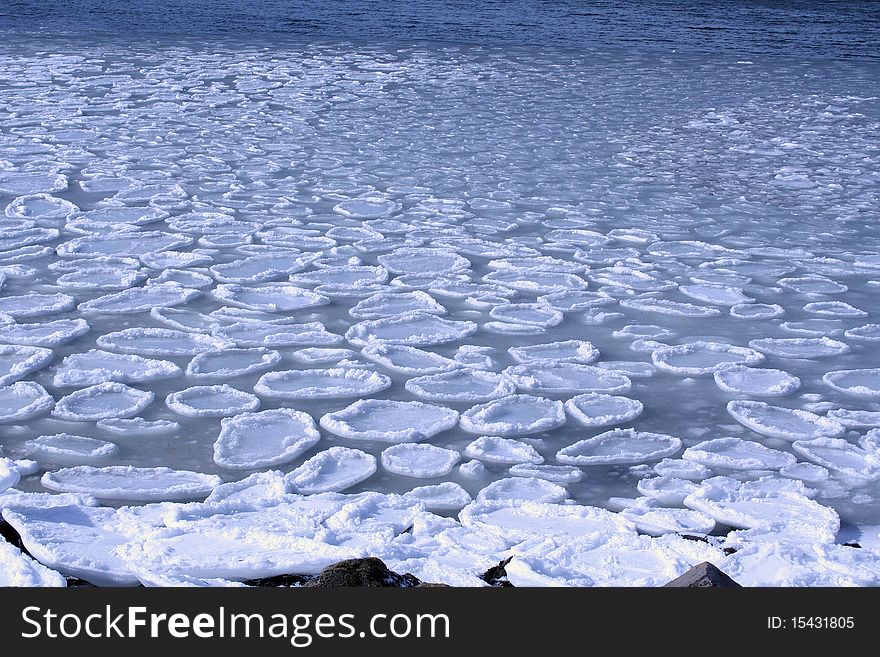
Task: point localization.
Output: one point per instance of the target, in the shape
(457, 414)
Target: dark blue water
(826, 29)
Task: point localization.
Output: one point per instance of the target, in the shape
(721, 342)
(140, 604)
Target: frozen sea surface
(546, 303)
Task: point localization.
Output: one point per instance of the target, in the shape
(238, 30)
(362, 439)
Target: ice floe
(410, 328)
(17, 361)
(859, 383)
(18, 569)
(36, 304)
(840, 457)
(389, 421)
(69, 448)
(24, 400)
(211, 401)
(231, 363)
(264, 439)
(789, 514)
(45, 334)
(657, 521)
(702, 358)
(503, 451)
(717, 295)
(667, 307)
(738, 454)
(561, 474)
(756, 382)
(138, 426)
(785, 423)
(268, 297)
(800, 347)
(161, 342)
(523, 489)
(389, 304)
(97, 366)
(123, 482)
(461, 385)
(334, 383)
(419, 460)
(757, 311)
(570, 351)
(103, 401)
(619, 446)
(332, 470)
(77, 541)
(516, 415)
(563, 377)
(263, 334)
(599, 410)
(408, 360)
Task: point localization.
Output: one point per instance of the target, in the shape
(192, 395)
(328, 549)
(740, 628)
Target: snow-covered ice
(785, 423)
(221, 400)
(516, 415)
(263, 439)
(120, 482)
(389, 421)
(103, 401)
(333, 383)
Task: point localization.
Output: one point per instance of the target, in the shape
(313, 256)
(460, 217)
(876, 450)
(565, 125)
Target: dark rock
(281, 581)
(728, 551)
(853, 544)
(703, 575)
(8, 534)
(369, 572)
(76, 582)
(497, 575)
